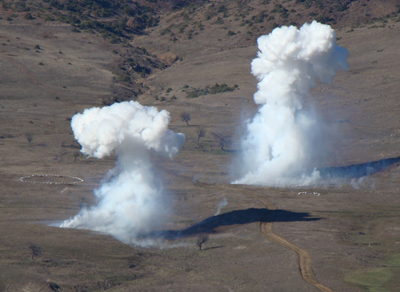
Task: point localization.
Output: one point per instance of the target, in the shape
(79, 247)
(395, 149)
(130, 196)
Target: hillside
(192, 58)
(179, 25)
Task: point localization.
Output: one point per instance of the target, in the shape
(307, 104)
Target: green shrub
(341, 7)
(28, 16)
(190, 34)
(122, 77)
(196, 92)
(182, 27)
(324, 19)
(221, 88)
(259, 17)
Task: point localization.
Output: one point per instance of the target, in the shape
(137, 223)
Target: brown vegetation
(118, 56)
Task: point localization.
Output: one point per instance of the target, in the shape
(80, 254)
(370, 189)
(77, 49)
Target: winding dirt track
(304, 258)
(267, 231)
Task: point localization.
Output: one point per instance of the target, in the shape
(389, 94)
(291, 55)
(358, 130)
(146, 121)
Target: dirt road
(266, 230)
(304, 258)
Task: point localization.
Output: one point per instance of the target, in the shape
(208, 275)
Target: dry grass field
(351, 230)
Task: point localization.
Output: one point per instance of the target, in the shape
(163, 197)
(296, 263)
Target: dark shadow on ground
(358, 170)
(231, 218)
(213, 247)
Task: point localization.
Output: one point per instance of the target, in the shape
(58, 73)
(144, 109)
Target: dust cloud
(130, 198)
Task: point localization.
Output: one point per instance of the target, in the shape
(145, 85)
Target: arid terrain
(341, 235)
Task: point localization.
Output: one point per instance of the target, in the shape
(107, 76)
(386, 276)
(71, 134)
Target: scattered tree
(54, 286)
(28, 16)
(202, 239)
(60, 156)
(76, 155)
(186, 118)
(201, 132)
(35, 249)
(223, 137)
(29, 137)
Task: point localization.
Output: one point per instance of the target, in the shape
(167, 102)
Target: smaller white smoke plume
(130, 199)
(278, 143)
(362, 182)
(221, 204)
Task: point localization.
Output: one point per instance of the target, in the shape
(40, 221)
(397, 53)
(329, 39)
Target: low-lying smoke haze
(278, 145)
(221, 204)
(130, 199)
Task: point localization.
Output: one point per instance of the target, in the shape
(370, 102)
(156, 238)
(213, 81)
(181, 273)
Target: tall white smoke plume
(277, 146)
(130, 199)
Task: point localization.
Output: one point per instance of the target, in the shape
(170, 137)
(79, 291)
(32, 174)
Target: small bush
(190, 34)
(219, 21)
(182, 27)
(29, 138)
(28, 16)
(186, 118)
(35, 250)
(166, 30)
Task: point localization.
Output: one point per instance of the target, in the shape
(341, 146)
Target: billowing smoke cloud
(221, 204)
(278, 143)
(130, 199)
